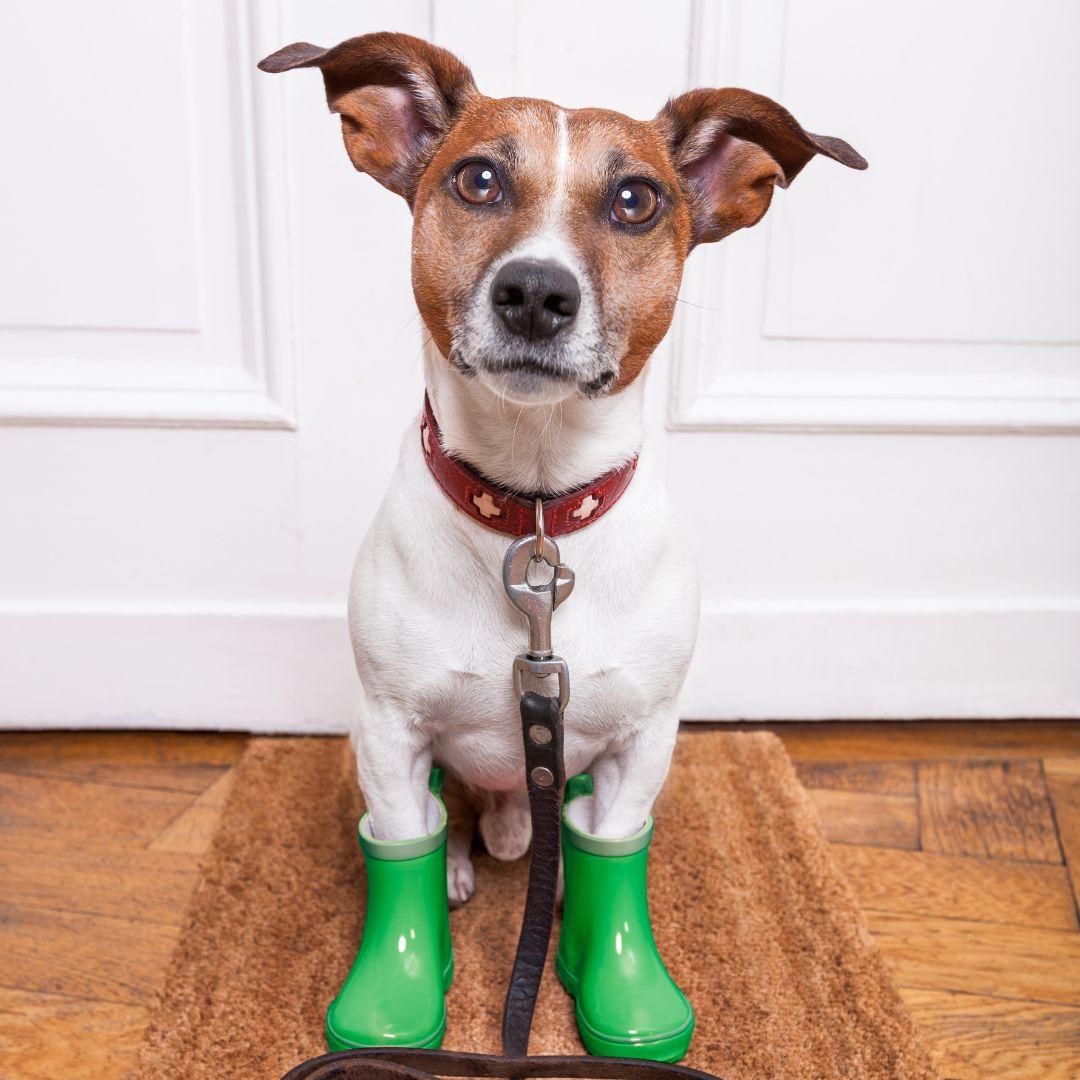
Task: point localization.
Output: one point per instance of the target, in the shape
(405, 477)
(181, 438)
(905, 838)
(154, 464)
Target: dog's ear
(731, 147)
(397, 97)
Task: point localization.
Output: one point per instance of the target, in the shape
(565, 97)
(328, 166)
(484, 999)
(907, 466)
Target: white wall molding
(269, 667)
(147, 375)
(994, 659)
(934, 404)
(738, 368)
(106, 395)
(287, 667)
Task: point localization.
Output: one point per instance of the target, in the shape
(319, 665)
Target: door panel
(868, 406)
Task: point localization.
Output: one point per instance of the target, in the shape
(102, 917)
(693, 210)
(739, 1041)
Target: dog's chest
(472, 713)
(435, 636)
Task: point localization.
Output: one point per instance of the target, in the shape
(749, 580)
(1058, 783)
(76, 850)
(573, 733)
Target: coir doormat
(750, 914)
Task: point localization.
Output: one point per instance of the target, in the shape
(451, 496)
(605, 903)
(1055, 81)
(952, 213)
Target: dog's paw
(460, 879)
(506, 829)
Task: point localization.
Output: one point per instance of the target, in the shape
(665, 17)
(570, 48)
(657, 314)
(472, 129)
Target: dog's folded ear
(732, 147)
(397, 96)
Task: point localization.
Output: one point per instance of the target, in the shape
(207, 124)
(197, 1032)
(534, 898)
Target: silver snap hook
(536, 602)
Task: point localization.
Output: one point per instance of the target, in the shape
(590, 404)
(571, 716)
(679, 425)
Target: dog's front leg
(627, 778)
(622, 988)
(393, 761)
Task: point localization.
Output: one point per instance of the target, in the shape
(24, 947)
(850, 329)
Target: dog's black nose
(535, 298)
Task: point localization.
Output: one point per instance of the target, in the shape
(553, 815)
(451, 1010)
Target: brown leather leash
(382, 1063)
(545, 779)
(538, 714)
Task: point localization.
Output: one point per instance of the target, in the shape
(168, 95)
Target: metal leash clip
(537, 602)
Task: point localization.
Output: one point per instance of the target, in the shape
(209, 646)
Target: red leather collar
(507, 512)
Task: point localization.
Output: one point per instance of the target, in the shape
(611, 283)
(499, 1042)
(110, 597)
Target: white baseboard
(909, 661)
(288, 667)
(241, 667)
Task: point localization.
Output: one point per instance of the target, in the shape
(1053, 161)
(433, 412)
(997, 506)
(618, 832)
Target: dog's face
(548, 247)
(548, 243)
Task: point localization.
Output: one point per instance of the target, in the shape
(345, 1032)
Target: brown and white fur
(432, 632)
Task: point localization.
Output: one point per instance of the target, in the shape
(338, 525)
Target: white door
(869, 405)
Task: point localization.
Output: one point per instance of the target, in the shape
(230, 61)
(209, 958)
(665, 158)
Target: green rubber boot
(394, 994)
(627, 1004)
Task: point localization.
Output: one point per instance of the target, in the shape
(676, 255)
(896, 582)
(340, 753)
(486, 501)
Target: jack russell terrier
(547, 252)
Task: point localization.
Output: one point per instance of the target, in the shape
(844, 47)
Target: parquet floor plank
(923, 883)
(976, 1037)
(77, 809)
(86, 956)
(859, 817)
(876, 777)
(50, 1036)
(1065, 798)
(1061, 766)
(95, 877)
(998, 809)
(992, 960)
(925, 740)
(191, 832)
(164, 759)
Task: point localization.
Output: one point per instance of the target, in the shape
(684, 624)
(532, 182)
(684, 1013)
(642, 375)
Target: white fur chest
(434, 635)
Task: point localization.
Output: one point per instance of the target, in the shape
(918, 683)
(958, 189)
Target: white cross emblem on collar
(486, 505)
(585, 508)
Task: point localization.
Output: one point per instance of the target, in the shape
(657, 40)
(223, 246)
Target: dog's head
(548, 243)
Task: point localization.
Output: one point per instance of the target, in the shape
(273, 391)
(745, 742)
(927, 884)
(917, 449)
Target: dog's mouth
(528, 379)
(530, 366)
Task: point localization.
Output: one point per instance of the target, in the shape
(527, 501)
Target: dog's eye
(477, 182)
(635, 202)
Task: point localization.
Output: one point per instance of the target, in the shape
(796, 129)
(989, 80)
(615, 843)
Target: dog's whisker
(513, 434)
(409, 324)
(701, 307)
(420, 354)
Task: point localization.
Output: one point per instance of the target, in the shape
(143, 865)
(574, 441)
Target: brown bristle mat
(751, 916)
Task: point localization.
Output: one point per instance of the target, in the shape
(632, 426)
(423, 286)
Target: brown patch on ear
(397, 95)
(745, 174)
(731, 147)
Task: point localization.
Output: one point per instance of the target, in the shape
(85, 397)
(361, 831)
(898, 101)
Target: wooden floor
(961, 841)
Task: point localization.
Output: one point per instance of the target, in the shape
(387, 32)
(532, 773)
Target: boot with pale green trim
(394, 994)
(627, 1004)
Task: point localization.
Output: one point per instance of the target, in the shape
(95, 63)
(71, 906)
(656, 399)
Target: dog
(548, 247)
